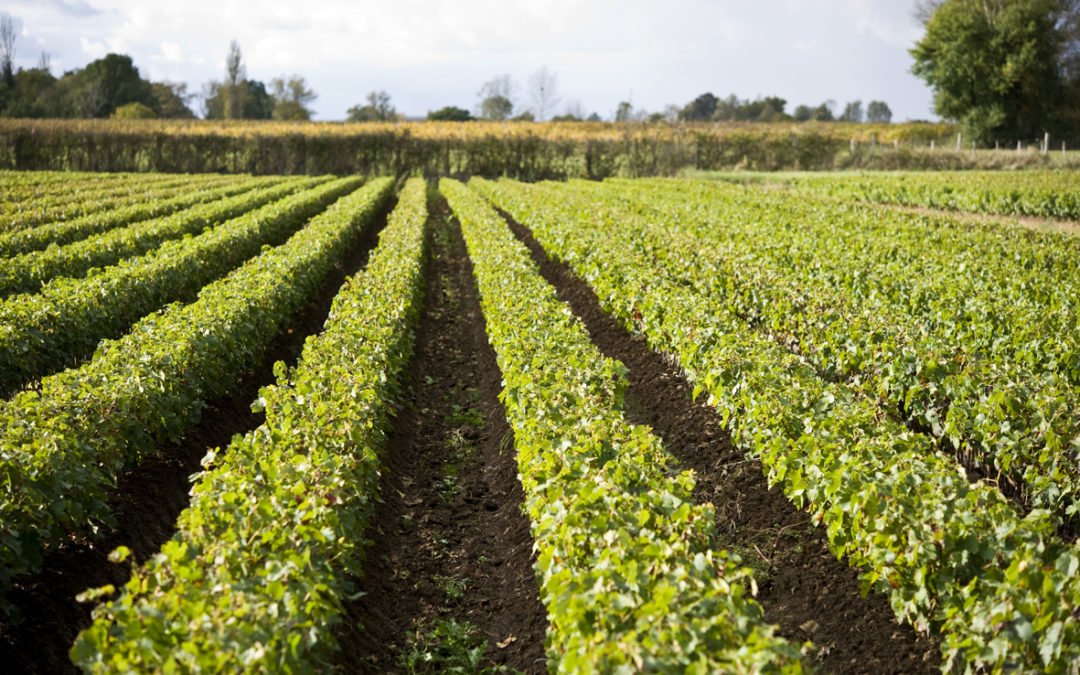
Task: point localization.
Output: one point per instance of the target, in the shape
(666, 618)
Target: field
(528, 151)
(728, 423)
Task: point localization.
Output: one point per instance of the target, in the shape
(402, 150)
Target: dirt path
(1037, 223)
(149, 498)
(450, 566)
(803, 588)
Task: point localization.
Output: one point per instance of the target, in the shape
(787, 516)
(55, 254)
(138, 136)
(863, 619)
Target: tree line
(113, 87)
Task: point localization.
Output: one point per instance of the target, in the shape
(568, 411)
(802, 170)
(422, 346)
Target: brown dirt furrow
(149, 497)
(803, 589)
(449, 540)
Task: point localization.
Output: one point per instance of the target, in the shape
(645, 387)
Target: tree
(7, 50)
(853, 112)
(878, 111)
(996, 66)
(257, 103)
(170, 100)
(496, 98)
(378, 109)
(233, 89)
(824, 112)
(544, 92)
(450, 113)
(35, 94)
(103, 86)
(803, 113)
(701, 108)
(291, 98)
(625, 112)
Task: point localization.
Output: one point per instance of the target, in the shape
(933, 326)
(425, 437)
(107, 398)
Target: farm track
(802, 587)
(450, 542)
(1037, 223)
(149, 497)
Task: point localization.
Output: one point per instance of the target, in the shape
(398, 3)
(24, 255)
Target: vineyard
(800, 423)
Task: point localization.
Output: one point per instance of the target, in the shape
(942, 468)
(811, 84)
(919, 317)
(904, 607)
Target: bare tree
(544, 92)
(235, 79)
(45, 61)
(7, 48)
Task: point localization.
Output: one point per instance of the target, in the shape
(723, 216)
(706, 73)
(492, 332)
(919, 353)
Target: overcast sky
(428, 54)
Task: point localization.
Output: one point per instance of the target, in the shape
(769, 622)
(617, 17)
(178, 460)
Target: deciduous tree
(291, 97)
(996, 66)
(497, 98)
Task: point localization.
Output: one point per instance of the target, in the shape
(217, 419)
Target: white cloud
(172, 52)
(95, 50)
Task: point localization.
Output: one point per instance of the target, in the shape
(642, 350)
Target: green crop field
(730, 422)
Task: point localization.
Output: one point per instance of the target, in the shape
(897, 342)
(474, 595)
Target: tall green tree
(996, 66)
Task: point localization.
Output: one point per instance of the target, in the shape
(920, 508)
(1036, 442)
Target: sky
(428, 54)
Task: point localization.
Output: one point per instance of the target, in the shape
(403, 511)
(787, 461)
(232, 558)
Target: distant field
(529, 151)
(738, 422)
(1047, 194)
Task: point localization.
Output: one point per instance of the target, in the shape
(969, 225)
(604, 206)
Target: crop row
(22, 199)
(946, 355)
(67, 231)
(951, 555)
(63, 444)
(27, 272)
(628, 570)
(1036, 193)
(92, 201)
(62, 324)
(254, 579)
(16, 182)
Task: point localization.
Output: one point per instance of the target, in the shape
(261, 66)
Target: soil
(1031, 222)
(803, 588)
(149, 497)
(450, 541)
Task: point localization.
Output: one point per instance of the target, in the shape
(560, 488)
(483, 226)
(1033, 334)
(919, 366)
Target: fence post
(958, 137)
(1063, 151)
(931, 145)
(1046, 143)
(853, 145)
(1019, 146)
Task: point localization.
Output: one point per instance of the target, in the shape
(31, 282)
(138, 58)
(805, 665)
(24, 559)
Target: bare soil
(803, 588)
(450, 541)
